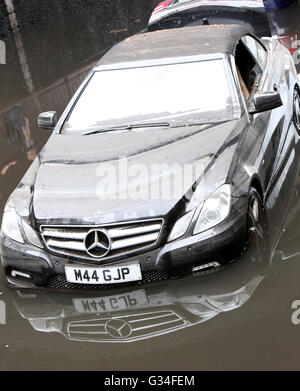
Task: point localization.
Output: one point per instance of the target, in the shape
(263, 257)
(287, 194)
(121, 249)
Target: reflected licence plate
(119, 302)
(104, 274)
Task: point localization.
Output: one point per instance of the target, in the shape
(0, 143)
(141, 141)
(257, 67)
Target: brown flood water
(237, 318)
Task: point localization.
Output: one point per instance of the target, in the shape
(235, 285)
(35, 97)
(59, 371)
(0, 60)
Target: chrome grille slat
(156, 325)
(153, 317)
(89, 325)
(90, 332)
(64, 234)
(69, 240)
(120, 233)
(79, 246)
(117, 244)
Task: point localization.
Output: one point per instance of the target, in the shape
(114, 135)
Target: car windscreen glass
(186, 92)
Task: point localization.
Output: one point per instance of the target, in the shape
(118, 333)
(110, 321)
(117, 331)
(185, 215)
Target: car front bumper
(220, 244)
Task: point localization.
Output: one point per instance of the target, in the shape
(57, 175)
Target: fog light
(16, 273)
(206, 266)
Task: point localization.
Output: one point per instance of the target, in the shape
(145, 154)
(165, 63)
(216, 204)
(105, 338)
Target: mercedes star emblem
(118, 328)
(97, 243)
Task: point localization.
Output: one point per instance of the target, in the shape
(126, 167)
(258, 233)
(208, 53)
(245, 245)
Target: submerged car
(161, 164)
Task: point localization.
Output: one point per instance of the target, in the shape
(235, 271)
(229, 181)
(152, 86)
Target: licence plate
(119, 302)
(104, 274)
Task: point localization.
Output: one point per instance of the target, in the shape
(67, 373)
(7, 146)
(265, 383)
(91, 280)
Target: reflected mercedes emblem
(118, 328)
(97, 243)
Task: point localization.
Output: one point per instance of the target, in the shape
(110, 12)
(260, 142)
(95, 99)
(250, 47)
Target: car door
(277, 78)
(266, 74)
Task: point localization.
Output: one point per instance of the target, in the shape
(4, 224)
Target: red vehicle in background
(162, 5)
(284, 23)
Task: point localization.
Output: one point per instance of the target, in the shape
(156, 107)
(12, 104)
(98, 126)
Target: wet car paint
(245, 337)
(62, 176)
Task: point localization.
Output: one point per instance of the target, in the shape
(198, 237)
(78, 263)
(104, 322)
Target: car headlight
(22, 198)
(214, 210)
(228, 302)
(181, 226)
(15, 218)
(10, 223)
(31, 235)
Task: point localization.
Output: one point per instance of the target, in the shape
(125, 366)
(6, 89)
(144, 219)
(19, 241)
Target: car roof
(183, 42)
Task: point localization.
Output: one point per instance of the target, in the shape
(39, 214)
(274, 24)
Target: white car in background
(179, 13)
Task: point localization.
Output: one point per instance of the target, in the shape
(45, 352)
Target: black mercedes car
(161, 163)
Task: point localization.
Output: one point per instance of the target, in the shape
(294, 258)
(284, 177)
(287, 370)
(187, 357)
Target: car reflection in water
(146, 312)
(137, 314)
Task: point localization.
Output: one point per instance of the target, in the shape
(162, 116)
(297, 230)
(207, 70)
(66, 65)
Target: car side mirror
(264, 101)
(47, 120)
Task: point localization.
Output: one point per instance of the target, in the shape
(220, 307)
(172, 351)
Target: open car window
(257, 50)
(251, 60)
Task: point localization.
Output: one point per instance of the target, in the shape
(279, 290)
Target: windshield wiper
(129, 127)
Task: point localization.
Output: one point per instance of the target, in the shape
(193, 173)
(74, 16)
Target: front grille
(125, 328)
(60, 282)
(69, 240)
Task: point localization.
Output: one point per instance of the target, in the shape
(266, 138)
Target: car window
(257, 50)
(251, 60)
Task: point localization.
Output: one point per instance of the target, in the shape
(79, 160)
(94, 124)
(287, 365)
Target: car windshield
(193, 92)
